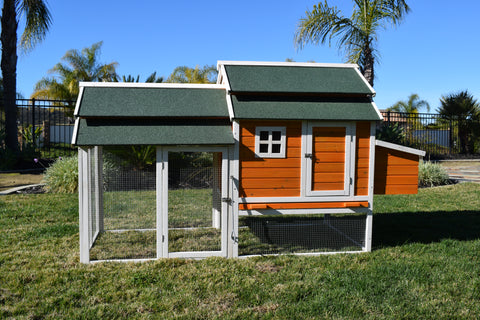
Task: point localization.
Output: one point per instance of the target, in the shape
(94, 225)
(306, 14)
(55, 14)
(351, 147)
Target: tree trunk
(9, 71)
(368, 65)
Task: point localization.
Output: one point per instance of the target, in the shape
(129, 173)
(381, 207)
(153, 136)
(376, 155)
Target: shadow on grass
(394, 229)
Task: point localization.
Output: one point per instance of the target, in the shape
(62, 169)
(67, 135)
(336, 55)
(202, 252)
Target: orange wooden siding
(362, 158)
(303, 205)
(396, 172)
(328, 158)
(270, 177)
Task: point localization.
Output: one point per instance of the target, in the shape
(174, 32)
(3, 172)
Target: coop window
(270, 142)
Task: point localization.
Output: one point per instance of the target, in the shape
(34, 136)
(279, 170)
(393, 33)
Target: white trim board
(398, 147)
(286, 64)
(261, 212)
(151, 85)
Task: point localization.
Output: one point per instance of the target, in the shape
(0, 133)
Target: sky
(434, 52)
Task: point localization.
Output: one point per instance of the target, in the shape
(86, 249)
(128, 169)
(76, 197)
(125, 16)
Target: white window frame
(269, 153)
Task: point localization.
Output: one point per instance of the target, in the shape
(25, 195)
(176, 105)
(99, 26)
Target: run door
(194, 202)
(329, 159)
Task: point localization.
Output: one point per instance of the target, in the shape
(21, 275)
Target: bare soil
(13, 180)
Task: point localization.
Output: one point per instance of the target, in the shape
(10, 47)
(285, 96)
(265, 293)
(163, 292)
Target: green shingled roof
(92, 132)
(295, 79)
(306, 109)
(152, 102)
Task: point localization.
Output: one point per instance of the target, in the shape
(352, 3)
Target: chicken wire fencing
(122, 209)
(121, 202)
(194, 202)
(301, 234)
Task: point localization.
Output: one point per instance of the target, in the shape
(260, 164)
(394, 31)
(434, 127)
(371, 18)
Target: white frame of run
(162, 202)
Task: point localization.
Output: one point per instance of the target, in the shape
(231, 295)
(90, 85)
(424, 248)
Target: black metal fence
(438, 136)
(46, 126)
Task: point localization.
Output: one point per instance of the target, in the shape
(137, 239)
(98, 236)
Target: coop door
(195, 212)
(328, 159)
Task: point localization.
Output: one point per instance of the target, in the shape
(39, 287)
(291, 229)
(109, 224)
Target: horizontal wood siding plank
(398, 180)
(329, 177)
(270, 192)
(326, 186)
(256, 172)
(396, 172)
(262, 183)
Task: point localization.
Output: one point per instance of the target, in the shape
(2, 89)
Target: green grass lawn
(425, 265)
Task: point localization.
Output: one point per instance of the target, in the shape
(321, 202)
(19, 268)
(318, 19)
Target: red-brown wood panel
(328, 158)
(362, 158)
(396, 172)
(270, 177)
(302, 205)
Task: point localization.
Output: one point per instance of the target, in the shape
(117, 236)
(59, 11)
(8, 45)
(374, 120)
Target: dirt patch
(13, 180)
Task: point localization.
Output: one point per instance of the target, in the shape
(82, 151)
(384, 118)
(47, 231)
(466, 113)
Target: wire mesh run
(293, 234)
(194, 201)
(127, 210)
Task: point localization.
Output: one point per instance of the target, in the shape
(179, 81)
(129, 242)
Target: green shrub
(432, 174)
(62, 176)
(391, 133)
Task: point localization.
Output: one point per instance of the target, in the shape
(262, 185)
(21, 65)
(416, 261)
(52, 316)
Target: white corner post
(368, 231)
(371, 172)
(83, 204)
(162, 196)
(234, 154)
(217, 190)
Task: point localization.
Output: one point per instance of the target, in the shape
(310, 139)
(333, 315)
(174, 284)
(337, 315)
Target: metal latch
(227, 200)
(308, 155)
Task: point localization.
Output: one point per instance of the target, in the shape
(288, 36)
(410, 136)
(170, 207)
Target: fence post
(33, 124)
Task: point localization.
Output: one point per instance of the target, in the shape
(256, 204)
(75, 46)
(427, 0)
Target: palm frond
(37, 22)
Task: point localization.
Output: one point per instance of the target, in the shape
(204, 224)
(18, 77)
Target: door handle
(309, 155)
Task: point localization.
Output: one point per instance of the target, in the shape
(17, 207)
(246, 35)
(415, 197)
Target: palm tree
(207, 74)
(77, 66)
(150, 79)
(37, 23)
(464, 110)
(411, 106)
(356, 35)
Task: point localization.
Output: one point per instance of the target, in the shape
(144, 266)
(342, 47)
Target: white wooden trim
(286, 64)
(195, 254)
(365, 81)
(349, 159)
(79, 99)
(159, 203)
(368, 231)
(371, 164)
(270, 142)
(302, 199)
(302, 254)
(398, 147)
(75, 131)
(235, 181)
(375, 107)
(83, 205)
(151, 85)
(303, 160)
(164, 218)
(164, 201)
(302, 211)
